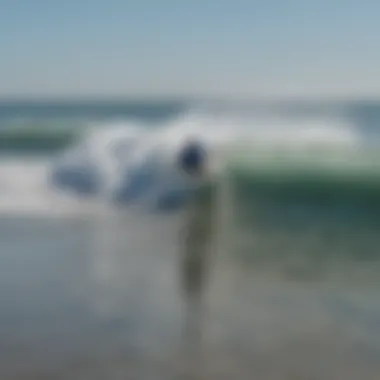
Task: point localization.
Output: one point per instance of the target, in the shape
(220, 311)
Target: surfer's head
(193, 158)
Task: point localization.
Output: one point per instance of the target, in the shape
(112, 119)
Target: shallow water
(90, 293)
(99, 297)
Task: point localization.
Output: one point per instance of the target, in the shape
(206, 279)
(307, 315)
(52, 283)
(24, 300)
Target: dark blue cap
(192, 157)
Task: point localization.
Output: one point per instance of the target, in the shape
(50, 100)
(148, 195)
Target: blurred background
(96, 101)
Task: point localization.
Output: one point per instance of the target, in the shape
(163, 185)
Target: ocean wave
(35, 139)
(295, 188)
(132, 163)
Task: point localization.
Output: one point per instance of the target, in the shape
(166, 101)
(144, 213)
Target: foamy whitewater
(132, 163)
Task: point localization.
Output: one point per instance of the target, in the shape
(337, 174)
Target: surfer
(194, 162)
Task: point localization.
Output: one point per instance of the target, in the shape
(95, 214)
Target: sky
(234, 48)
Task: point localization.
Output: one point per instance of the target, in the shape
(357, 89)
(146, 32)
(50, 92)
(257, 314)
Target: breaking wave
(127, 162)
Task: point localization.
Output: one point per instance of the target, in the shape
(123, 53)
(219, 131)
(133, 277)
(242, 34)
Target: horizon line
(182, 98)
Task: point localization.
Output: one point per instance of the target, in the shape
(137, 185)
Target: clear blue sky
(207, 47)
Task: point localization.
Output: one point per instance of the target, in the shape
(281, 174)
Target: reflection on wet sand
(102, 298)
(161, 287)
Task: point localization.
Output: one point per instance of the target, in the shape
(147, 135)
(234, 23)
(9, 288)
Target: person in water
(194, 162)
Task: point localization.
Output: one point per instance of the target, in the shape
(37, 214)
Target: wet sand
(101, 298)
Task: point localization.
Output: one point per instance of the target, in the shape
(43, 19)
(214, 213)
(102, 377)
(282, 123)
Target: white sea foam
(112, 158)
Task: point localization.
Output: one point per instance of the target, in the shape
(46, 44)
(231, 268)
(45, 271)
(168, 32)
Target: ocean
(91, 288)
